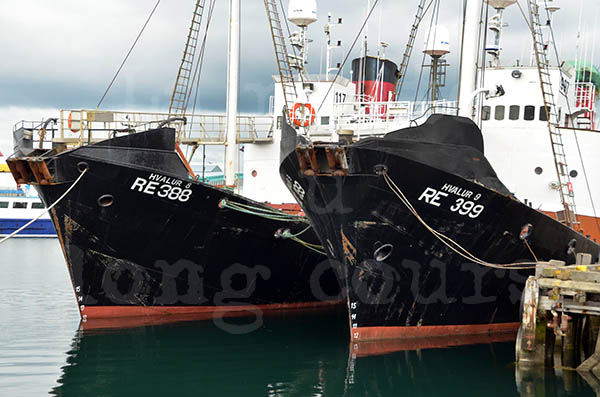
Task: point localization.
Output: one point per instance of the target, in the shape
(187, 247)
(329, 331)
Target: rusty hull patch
(349, 249)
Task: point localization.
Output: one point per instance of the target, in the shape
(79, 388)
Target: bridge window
(499, 112)
(485, 113)
(37, 205)
(543, 115)
(529, 113)
(3, 204)
(513, 112)
(20, 204)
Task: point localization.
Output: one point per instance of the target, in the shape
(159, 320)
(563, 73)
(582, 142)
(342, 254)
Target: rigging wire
(128, 53)
(200, 60)
(348, 54)
(405, 71)
(587, 182)
(198, 70)
(524, 16)
(433, 13)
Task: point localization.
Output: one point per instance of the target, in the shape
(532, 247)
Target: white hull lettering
(165, 180)
(460, 206)
(163, 188)
(432, 196)
(458, 191)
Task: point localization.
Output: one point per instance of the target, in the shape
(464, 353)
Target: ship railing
(80, 127)
(585, 100)
(374, 118)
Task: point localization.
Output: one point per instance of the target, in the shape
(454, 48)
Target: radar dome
(553, 6)
(500, 3)
(437, 41)
(302, 12)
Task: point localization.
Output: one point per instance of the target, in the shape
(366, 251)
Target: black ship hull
(142, 238)
(401, 280)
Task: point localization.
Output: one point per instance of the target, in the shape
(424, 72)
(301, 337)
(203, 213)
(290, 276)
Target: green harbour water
(44, 351)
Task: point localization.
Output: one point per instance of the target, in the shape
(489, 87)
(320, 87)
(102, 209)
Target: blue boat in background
(19, 205)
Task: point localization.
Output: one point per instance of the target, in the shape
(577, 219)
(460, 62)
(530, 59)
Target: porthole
(254, 173)
(499, 112)
(485, 113)
(82, 166)
(106, 200)
(529, 113)
(538, 170)
(383, 252)
(573, 174)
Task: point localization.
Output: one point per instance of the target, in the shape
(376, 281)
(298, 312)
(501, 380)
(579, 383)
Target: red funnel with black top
(375, 78)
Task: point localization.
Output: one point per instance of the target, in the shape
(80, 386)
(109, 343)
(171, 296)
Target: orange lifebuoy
(306, 116)
(70, 123)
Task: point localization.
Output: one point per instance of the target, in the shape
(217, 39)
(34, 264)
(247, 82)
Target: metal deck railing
(368, 118)
(78, 127)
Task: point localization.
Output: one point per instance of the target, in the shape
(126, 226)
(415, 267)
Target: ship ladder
(281, 54)
(421, 10)
(560, 160)
(181, 91)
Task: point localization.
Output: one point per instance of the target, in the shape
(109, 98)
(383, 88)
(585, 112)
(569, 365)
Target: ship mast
(469, 56)
(233, 74)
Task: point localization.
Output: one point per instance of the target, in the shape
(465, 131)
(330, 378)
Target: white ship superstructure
(510, 112)
(517, 143)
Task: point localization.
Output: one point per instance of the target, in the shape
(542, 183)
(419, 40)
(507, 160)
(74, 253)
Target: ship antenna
(348, 54)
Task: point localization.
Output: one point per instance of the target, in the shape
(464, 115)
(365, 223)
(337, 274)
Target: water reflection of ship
(311, 353)
(287, 356)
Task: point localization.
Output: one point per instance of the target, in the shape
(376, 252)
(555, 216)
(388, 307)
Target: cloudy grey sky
(63, 53)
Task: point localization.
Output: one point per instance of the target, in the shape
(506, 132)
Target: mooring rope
(262, 212)
(288, 234)
(276, 215)
(313, 247)
(453, 245)
(25, 226)
(530, 250)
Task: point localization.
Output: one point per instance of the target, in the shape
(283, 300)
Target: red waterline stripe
(386, 346)
(428, 331)
(93, 312)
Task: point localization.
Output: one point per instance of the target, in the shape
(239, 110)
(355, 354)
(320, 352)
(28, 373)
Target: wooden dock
(561, 321)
